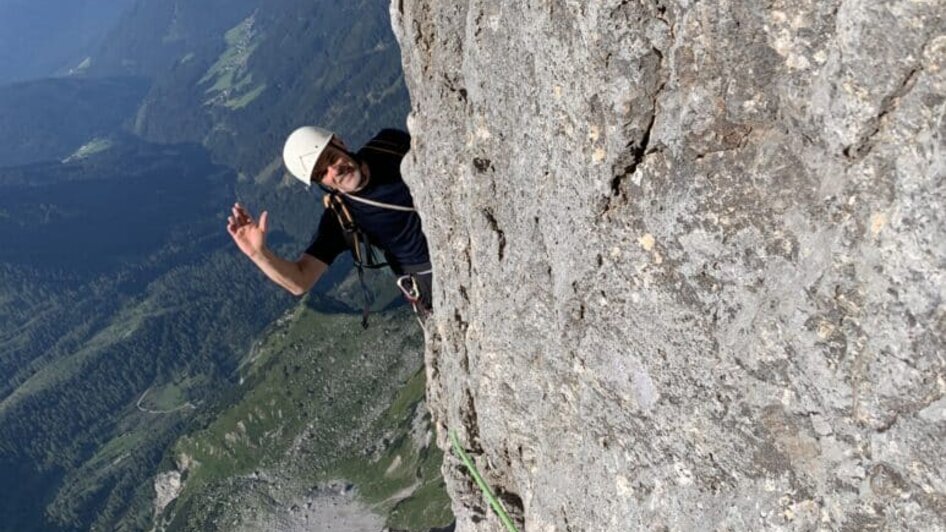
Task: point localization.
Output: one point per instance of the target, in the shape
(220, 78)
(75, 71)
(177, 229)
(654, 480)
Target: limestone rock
(689, 258)
(167, 487)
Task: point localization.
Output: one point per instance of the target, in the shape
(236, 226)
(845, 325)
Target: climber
(366, 203)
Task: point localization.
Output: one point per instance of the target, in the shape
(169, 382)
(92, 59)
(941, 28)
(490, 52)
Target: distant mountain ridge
(238, 75)
(48, 119)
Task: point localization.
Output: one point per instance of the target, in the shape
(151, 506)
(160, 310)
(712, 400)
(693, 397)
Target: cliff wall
(689, 258)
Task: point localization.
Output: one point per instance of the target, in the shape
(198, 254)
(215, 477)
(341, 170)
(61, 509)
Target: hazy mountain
(40, 38)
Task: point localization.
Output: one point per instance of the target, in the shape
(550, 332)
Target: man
(367, 202)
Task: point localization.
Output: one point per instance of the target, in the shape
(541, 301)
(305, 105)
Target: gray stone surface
(689, 258)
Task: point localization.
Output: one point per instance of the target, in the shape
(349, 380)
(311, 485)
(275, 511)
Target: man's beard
(359, 179)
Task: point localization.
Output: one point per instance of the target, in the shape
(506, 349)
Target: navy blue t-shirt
(397, 233)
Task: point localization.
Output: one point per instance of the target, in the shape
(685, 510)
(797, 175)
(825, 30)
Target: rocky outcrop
(689, 258)
(167, 487)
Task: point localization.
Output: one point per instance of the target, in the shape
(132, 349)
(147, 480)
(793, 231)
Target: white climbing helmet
(302, 151)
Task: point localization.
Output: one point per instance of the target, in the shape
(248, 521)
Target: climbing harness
(484, 487)
(363, 254)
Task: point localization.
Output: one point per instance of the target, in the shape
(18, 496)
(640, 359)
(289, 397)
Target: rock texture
(689, 258)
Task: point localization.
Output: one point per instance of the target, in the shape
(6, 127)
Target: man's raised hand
(250, 236)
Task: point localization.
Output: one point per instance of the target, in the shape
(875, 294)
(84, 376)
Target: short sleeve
(329, 242)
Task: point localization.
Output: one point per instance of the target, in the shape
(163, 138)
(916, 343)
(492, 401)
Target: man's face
(343, 175)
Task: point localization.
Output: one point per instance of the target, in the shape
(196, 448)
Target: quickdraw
(410, 287)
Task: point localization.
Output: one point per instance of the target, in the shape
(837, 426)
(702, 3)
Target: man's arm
(296, 277)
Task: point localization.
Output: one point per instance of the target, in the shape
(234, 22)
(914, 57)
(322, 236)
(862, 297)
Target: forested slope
(124, 308)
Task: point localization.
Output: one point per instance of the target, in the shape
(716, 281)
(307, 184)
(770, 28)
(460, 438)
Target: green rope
(493, 501)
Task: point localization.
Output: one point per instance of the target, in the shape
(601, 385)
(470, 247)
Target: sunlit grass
(233, 86)
(318, 381)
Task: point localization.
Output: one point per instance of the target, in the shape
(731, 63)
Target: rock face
(689, 258)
